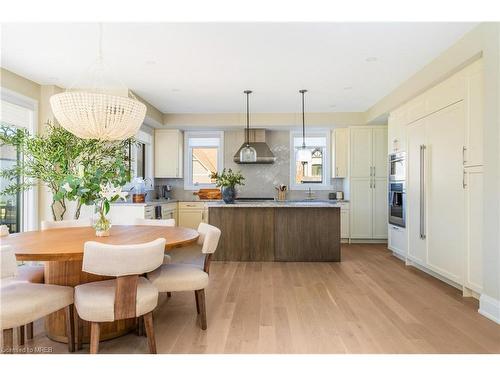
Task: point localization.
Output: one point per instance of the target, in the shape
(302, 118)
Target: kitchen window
(314, 173)
(18, 211)
(203, 156)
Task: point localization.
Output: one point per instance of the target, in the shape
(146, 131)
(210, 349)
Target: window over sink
(313, 173)
(203, 155)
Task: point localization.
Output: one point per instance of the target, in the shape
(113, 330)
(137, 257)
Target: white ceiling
(205, 67)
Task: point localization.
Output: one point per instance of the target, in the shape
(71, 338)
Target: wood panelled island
(277, 231)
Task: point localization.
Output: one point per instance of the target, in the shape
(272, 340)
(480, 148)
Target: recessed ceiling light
(176, 90)
(348, 88)
(150, 62)
(371, 59)
(53, 79)
(333, 106)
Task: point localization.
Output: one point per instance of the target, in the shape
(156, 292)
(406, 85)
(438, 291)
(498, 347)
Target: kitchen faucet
(310, 194)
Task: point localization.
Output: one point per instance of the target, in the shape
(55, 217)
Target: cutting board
(208, 194)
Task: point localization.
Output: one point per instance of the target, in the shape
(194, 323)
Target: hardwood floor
(369, 303)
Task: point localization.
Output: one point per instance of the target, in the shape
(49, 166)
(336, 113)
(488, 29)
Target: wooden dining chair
(24, 302)
(180, 277)
(125, 296)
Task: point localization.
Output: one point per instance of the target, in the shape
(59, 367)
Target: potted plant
(227, 181)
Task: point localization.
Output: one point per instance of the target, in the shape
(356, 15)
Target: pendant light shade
(303, 154)
(95, 114)
(248, 154)
(91, 115)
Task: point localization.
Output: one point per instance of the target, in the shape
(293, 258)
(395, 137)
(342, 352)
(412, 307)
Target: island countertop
(278, 204)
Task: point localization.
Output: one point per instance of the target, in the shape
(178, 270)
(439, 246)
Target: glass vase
(102, 224)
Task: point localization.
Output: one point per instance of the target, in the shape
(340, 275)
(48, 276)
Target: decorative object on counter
(248, 154)
(227, 181)
(208, 194)
(303, 154)
(281, 192)
(107, 194)
(70, 167)
(340, 195)
(95, 113)
(139, 190)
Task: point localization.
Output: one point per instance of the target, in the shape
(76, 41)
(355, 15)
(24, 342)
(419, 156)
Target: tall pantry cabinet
(445, 179)
(368, 182)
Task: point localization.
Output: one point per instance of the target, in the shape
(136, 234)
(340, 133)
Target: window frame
(326, 184)
(188, 157)
(29, 202)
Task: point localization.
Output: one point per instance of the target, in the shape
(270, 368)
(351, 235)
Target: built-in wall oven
(397, 166)
(397, 203)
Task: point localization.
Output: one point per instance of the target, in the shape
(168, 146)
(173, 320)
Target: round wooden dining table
(61, 250)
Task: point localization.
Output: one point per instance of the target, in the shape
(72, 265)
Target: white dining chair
(45, 224)
(180, 277)
(24, 302)
(158, 222)
(127, 295)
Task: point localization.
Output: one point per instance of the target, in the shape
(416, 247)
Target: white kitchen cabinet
(126, 213)
(361, 208)
(361, 139)
(396, 131)
(340, 147)
(368, 182)
(474, 228)
(168, 153)
(445, 133)
(344, 224)
(397, 240)
(191, 214)
(473, 153)
(169, 211)
(437, 227)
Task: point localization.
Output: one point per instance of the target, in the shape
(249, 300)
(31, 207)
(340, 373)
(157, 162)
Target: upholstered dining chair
(160, 223)
(22, 303)
(127, 295)
(180, 277)
(30, 273)
(65, 224)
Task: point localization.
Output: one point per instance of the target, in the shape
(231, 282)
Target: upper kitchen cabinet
(168, 153)
(340, 147)
(361, 151)
(473, 153)
(396, 131)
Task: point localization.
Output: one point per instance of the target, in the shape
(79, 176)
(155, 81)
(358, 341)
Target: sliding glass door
(10, 205)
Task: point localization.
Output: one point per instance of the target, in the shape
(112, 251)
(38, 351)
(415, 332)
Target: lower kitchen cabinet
(191, 214)
(397, 240)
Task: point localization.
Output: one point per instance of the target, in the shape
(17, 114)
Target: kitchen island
(293, 231)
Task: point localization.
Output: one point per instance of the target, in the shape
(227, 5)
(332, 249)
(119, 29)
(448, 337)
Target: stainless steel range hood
(257, 140)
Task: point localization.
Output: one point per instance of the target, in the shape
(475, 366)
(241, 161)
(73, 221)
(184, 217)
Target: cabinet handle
(336, 171)
(463, 154)
(464, 185)
(374, 182)
(422, 191)
(374, 171)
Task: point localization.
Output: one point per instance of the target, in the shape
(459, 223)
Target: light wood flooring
(369, 303)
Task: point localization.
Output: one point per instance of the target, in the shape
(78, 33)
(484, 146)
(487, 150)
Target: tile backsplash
(260, 179)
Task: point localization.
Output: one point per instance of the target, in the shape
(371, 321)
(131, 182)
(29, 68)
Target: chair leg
(196, 298)
(94, 337)
(70, 327)
(29, 331)
(169, 294)
(78, 332)
(8, 340)
(150, 332)
(140, 326)
(20, 336)
(203, 309)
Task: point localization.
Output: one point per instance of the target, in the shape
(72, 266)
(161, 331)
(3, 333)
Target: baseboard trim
(357, 240)
(489, 307)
